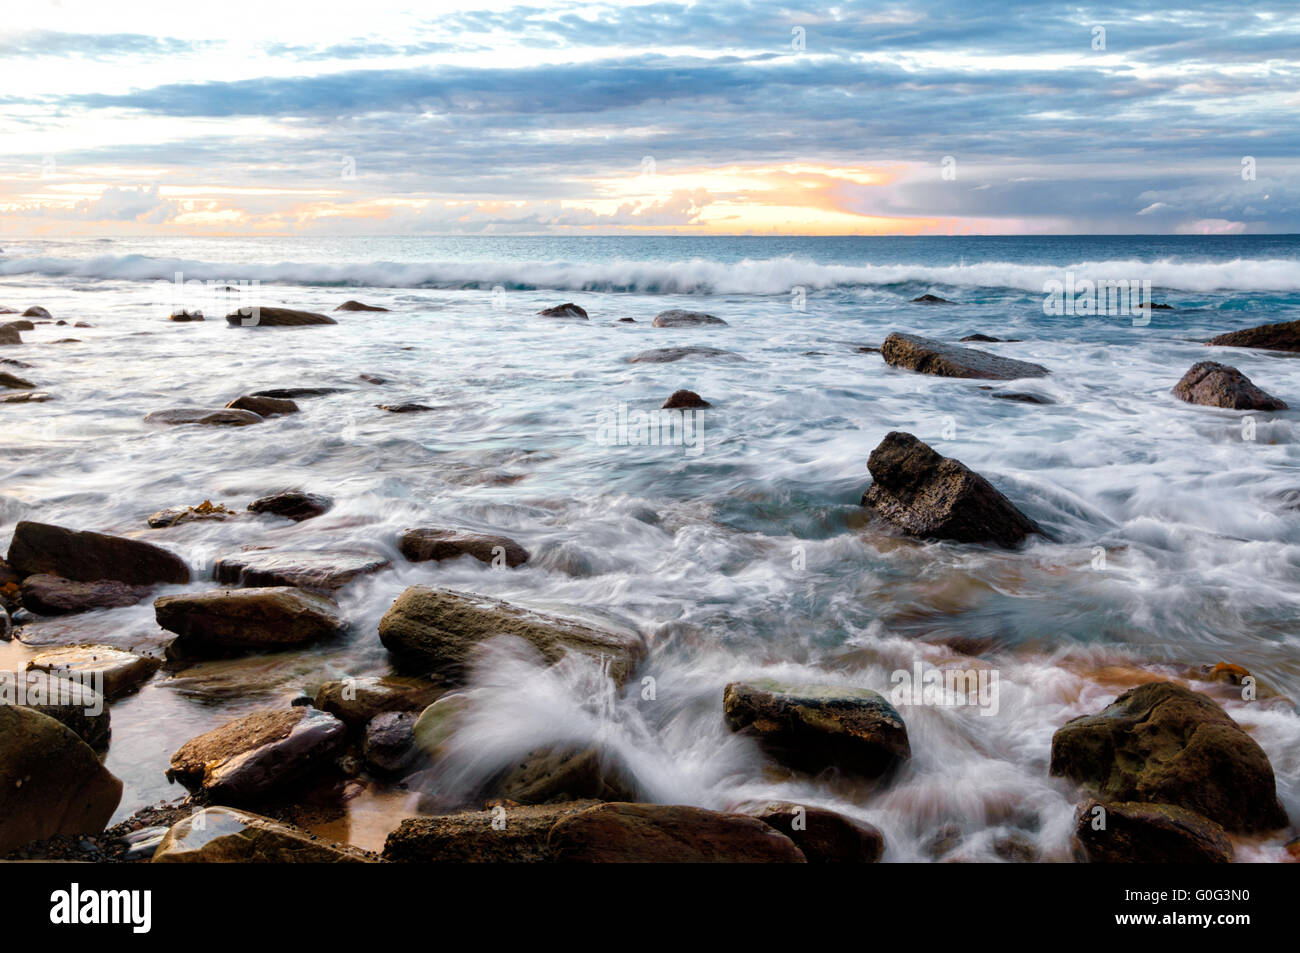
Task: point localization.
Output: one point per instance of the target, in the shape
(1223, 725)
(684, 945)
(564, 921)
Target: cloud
(114, 204)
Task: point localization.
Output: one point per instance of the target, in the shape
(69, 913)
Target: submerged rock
(926, 494)
(427, 543)
(263, 406)
(1022, 397)
(10, 382)
(989, 339)
(1129, 832)
(1218, 385)
(225, 619)
(251, 758)
(568, 310)
(51, 782)
(358, 306)
(208, 418)
(509, 834)
(122, 672)
(667, 355)
(54, 595)
(931, 299)
(222, 835)
(310, 569)
(622, 832)
(86, 556)
(814, 727)
(1284, 336)
(440, 630)
(681, 399)
(184, 316)
(1163, 743)
(928, 356)
(404, 408)
(293, 393)
(825, 837)
(684, 319)
(204, 512)
(293, 504)
(275, 318)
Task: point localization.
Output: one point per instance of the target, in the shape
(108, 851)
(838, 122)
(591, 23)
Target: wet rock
(814, 727)
(263, 406)
(1022, 397)
(178, 515)
(208, 418)
(10, 382)
(358, 306)
(9, 335)
(1154, 306)
(16, 363)
(6, 624)
(928, 356)
(26, 397)
(989, 339)
(87, 556)
(684, 319)
(185, 316)
(564, 773)
(54, 595)
(22, 325)
(121, 672)
(1015, 848)
(251, 758)
(293, 504)
(74, 704)
(404, 408)
(1270, 337)
(943, 841)
(440, 629)
(568, 310)
(660, 833)
(312, 569)
(928, 495)
(275, 318)
(51, 782)
(1218, 385)
(222, 835)
(680, 399)
(509, 834)
(389, 745)
(823, 836)
(667, 355)
(423, 544)
(36, 311)
(356, 701)
(226, 619)
(1139, 833)
(931, 299)
(1163, 743)
(293, 393)
(373, 379)
(627, 320)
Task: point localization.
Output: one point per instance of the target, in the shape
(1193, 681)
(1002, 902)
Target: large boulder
(1218, 385)
(825, 837)
(73, 702)
(676, 318)
(225, 619)
(622, 832)
(440, 630)
(926, 494)
(54, 595)
(310, 569)
(814, 727)
(86, 557)
(275, 318)
(356, 701)
(420, 545)
(292, 504)
(120, 671)
(1166, 744)
(927, 356)
(222, 835)
(1129, 832)
(1270, 337)
(263, 406)
(504, 835)
(254, 757)
(51, 782)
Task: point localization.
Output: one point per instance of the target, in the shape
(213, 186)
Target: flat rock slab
(293, 505)
(622, 832)
(928, 495)
(293, 393)
(53, 595)
(208, 418)
(928, 356)
(223, 835)
(51, 782)
(440, 630)
(685, 319)
(272, 617)
(356, 701)
(814, 727)
(1270, 337)
(26, 397)
(667, 355)
(1212, 384)
(405, 408)
(275, 318)
(478, 837)
(423, 544)
(73, 703)
(120, 671)
(264, 406)
(249, 759)
(1137, 833)
(85, 556)
(1166, 744)
(306, 569)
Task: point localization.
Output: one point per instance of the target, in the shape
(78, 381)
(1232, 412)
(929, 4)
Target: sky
(903, 118)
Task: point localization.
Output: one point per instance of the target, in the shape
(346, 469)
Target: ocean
(1173, 529)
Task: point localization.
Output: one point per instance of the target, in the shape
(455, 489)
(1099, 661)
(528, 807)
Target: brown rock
(621, 832)
(9, 335)
(1136, 833)
(209, 418)
(927, 356)
(667, 355)
(86, 556)
(825, 837)
(225, 619)
(263, 406)
(73, 703)
(10, 382)
(257, 316)
(568, 310)
(54, 595)
(36, 311)
(513, 834)
(681, 399)
(356, 701)
(1217, 385)
(122, 672)
(684, 319)
(358, 306)
(204, 512)
(926, 494)
(1270, 337)
(25, 397)
(420, 545)
(222, 835)
(316, 569)
(293, 505)
(404, 408)
(185, 316)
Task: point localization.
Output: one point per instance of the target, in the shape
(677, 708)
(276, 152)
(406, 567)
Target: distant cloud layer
(923, 117)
